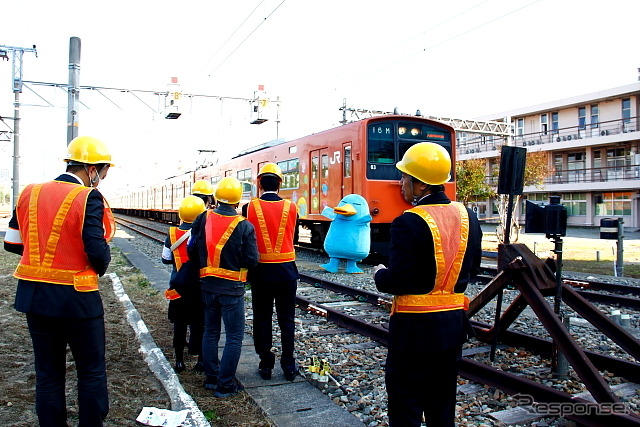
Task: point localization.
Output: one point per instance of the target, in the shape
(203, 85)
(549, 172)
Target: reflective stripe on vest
(275, 220)
(218, 229)
(180, 255)
(108, 221)
(58, 218)
(449, 225)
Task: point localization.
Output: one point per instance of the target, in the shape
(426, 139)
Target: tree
(536, 168)
(471, 181)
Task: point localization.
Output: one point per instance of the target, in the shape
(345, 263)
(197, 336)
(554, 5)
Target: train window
(325, 166)
(346, 168)
(290, 173)
(381, 152)
(244, 175)
(315, 165)
(380, 143)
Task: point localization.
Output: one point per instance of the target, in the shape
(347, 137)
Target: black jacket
(411, 271)
(240, 251)
(51, 299)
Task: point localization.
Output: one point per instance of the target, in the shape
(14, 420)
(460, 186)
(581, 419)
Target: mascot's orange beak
(346, 210)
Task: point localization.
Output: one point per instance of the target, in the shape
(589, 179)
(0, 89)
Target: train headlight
(415, 131)
(375, 211)
(402, 130)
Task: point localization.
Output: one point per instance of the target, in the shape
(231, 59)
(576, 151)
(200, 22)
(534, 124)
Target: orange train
(319, 170)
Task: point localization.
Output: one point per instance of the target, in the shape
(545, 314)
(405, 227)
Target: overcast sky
(461, 59)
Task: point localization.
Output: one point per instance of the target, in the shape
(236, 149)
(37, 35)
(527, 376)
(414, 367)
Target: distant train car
(320, 169)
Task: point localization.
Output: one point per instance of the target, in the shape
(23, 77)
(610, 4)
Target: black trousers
(422, 383)
(86, 339)
(263, 297)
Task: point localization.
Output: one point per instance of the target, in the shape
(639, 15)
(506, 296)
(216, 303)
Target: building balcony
(577, 136)
(613, 178)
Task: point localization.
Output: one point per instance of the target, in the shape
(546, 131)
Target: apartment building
(593, 146)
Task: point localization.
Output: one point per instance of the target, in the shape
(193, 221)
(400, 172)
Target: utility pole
(17, 53)
(74, 90)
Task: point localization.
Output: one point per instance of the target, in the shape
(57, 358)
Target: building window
(290, 173)
(558, 166)
(576, 203)
(595, 116)
(519, 127)
(544, 124)
(554, 123)
(582, 118)
(618, 162)
(576, 166)
(626, 114)
(614, 204)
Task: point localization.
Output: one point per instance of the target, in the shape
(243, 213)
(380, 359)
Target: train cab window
(381, 152)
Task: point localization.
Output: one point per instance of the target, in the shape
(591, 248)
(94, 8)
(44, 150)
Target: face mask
(93, 182)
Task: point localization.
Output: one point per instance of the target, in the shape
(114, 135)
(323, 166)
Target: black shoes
(179, 367)
(224, 392)
(265, 373)
(211, 383)
(290, 376)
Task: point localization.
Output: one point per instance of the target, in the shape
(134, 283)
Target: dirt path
(132, 385)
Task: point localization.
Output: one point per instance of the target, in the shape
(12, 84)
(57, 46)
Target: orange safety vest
(218, 229)
(449, 247)
(180, 255)
(53, 248)
(276, 221)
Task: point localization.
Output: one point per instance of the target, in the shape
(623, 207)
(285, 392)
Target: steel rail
(141, 232)
(590, 413)
(146, 227)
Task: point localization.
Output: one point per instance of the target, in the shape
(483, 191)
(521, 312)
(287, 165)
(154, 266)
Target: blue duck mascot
(349, 235)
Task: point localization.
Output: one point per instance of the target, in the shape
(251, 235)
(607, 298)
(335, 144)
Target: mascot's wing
(329, 213)
(364, 219)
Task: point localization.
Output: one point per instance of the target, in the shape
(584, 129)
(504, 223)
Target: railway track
(365, 313)
(612, 294)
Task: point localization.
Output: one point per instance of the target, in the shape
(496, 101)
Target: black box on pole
(511, 179)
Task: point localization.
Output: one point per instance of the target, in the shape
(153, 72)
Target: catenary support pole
(74, 90)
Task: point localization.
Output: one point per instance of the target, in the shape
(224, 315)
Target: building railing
(480, 144)
(630, 172)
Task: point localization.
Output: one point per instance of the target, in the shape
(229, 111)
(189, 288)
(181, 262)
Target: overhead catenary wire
(246, 38)
(229, 38)
(425, 49)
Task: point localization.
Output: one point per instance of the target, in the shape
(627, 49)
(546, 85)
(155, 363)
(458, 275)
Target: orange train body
(319, 170)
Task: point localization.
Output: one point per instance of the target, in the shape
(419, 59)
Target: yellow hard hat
(202, 187)
(190, 208)
(428, 162)
(88, 150)
(228, 190)
(271, 169)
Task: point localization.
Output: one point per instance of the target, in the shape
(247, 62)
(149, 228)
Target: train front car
(387, 139)
(361, 158)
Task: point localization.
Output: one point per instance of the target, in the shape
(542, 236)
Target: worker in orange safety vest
(186, 310)
(435, 250)
(274, 280)
(223, 244)
(62, 229)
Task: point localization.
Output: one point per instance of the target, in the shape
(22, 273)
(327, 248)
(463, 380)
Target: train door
(319, 185)
(347, 170)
